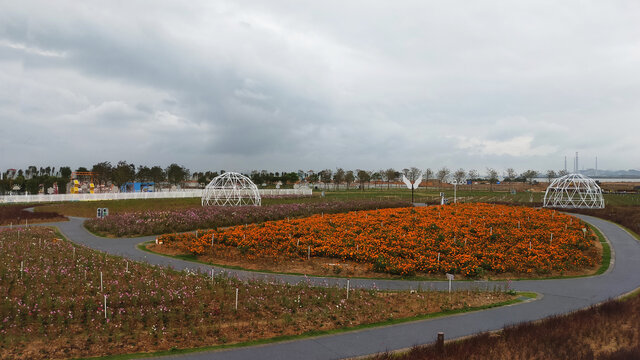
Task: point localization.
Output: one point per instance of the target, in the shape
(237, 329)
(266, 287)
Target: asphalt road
(557, 297)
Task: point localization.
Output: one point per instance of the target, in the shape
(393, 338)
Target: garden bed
(52, 297)
(473, 240)
(17, 215)
(166, 221)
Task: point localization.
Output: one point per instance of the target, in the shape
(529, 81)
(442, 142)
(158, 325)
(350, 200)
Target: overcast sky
(321, 84)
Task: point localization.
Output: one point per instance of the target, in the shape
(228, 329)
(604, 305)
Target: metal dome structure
(574, 191)
(231, 189)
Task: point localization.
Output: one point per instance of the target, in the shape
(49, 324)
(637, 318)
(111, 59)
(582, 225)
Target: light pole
(455, 183)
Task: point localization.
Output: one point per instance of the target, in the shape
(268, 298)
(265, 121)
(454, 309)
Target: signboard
(102, 213)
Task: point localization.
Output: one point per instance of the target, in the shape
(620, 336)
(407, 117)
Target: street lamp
(455, 183)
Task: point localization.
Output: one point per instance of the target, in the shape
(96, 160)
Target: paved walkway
(557, 297)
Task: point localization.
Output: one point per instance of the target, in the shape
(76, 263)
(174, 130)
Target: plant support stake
(236, 299)
(348, 285)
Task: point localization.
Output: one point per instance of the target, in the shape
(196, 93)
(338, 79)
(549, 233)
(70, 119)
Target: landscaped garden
(467, 239)
(58, 300)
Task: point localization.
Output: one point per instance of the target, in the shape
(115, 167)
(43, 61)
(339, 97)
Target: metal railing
(139, 195)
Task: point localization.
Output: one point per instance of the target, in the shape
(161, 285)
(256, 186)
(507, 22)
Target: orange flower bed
(467, 239)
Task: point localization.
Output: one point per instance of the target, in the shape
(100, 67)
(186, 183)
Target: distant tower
(596, 167)
(565, 163)
(576, 164)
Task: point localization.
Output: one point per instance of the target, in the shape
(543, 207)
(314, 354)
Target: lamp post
(455, 183)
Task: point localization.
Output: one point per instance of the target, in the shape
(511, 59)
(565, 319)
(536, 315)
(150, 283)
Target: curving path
(557, 297)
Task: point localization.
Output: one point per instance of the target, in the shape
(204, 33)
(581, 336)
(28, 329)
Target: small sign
(102, 213)
(450, 276)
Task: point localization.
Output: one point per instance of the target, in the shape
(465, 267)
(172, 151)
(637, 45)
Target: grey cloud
(362, 84)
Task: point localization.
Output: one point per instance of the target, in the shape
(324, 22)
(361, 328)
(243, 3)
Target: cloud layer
(285, 86)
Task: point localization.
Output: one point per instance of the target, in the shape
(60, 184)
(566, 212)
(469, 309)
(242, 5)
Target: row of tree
(33, 178)
(442, 175)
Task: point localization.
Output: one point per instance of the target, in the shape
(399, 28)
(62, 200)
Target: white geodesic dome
(574, 191)
(231, 189)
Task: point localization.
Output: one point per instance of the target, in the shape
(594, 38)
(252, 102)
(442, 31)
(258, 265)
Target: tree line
(442, 175)
(33, 178)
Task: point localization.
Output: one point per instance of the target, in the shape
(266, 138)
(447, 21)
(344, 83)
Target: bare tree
(428, 174)
(511, 174)
(473, 175)
(529, 175)
(563, 172)
(442, 175)
(412, 174)
(492, 176)
(459, 175)
(551, 175)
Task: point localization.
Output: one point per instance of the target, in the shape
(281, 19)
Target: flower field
(16, 214)
(58, 300)
(467, 239)
(160, 222)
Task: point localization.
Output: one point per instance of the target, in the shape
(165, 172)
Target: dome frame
(231, 189)
(573, 191)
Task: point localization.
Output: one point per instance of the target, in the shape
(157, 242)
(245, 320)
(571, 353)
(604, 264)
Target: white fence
(140, 195)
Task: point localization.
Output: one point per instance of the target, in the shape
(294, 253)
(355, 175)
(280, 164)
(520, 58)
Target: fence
(140, 195)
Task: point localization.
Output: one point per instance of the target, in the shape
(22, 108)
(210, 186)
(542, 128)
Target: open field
(610, 331)
(472, 240)
(52, 303)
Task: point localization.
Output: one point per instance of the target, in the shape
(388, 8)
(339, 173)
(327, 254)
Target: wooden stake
(440, 343)
(105, 307)
(348, 284)
(100, 281)
(236, 299)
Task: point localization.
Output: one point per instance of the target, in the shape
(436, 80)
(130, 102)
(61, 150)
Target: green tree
(389, 176)
(102, 172)
(492, 176)
(338, 177)
(349, 178)
(65, 172)
(363, 177)
(144, 173)
(176, 173)
(158, 175)
(123, 173)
